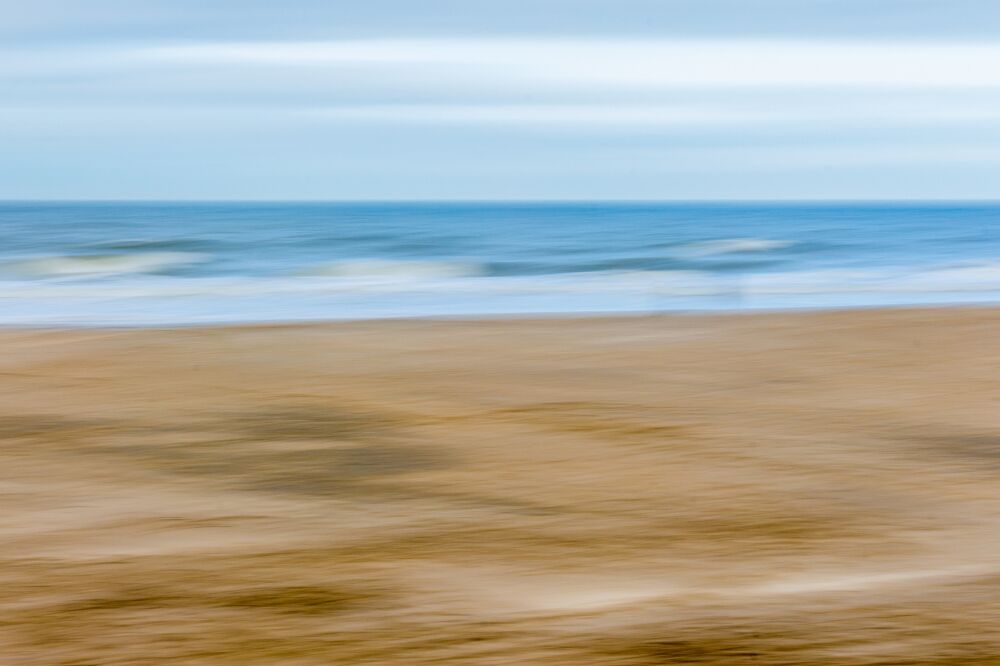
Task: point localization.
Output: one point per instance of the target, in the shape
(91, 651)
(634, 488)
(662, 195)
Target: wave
(396, 269)
(972, 277)
(97, 265)
(139, 299)
(733, 246)
(138, 278)
(153, 244)
(637, 263)
(446, 277)
(681, 283)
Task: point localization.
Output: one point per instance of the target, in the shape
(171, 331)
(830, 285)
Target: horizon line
(508, 201)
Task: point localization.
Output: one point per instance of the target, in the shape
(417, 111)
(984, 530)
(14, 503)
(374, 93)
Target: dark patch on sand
(980, 447)
(300, 599)
(47, 425)
(594, 418)
(328, 423)
(337, 471)
(700, 652)
(341, 452)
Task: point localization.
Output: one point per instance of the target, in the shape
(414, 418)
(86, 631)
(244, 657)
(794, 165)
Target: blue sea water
(189, 263)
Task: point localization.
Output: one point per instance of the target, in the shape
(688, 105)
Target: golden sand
(818, 488)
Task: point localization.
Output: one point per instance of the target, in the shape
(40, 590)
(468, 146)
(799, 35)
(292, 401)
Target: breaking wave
(396, 269)
(442, 290)
(733, 246)
(97, 265)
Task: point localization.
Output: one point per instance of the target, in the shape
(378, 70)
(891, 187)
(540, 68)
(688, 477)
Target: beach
(767, 488)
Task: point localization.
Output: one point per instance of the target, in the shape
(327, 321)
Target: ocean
(152, 264)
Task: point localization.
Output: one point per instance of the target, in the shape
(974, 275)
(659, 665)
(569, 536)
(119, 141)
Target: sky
(500, 100)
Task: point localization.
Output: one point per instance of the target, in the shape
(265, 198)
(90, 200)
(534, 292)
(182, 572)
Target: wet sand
(808, 488)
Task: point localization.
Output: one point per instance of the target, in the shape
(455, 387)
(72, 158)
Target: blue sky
(476, 99)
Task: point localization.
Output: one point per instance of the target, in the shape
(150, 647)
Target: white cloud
(631, 63)
(760, 118)
(854, 155)
(732, 112)
(532, 114)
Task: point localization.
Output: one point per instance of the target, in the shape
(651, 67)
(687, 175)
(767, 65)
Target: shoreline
(517, 317)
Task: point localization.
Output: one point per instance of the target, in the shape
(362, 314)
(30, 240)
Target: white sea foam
(396, 270)
(676, 283)
(733, 246)
(137, 299)
(98, 264)
(961, 278)
(444, 278)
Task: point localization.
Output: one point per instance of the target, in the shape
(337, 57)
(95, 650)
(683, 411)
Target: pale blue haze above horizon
(519, 100)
